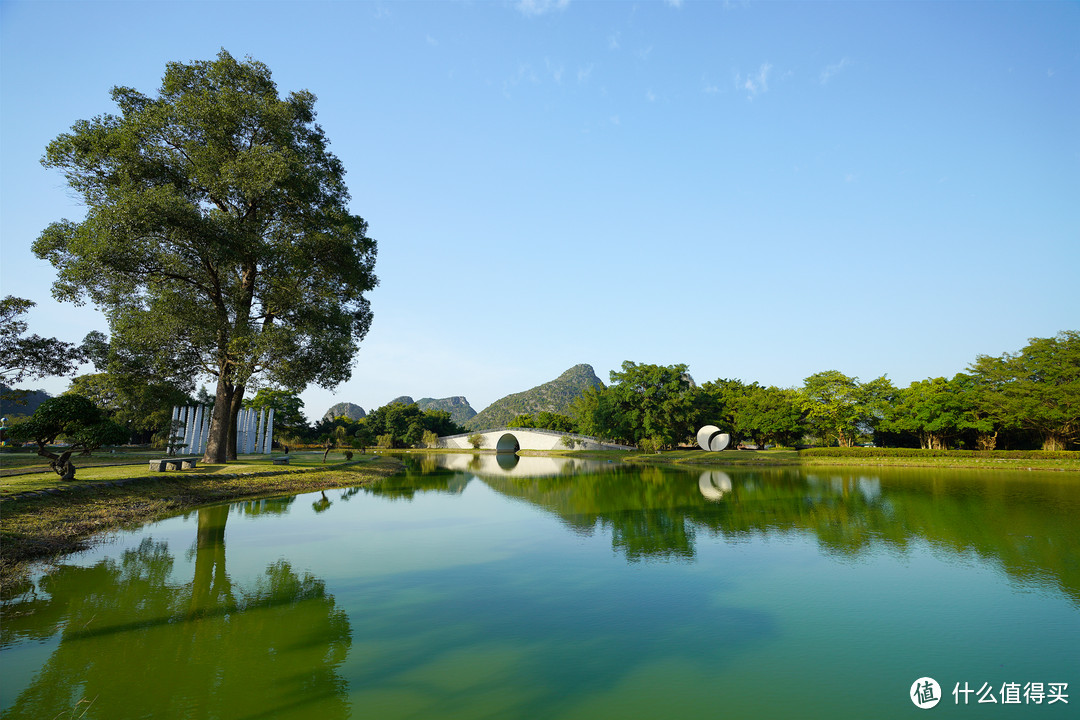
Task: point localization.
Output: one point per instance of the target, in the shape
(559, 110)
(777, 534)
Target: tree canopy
(218, 235)
(81, 422)
(30, 356)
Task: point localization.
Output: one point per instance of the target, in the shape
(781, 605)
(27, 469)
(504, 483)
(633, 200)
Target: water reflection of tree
(1028, 527)
(406, 486)
(135, 645)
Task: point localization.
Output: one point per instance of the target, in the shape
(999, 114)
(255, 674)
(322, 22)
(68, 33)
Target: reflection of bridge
(508, 440)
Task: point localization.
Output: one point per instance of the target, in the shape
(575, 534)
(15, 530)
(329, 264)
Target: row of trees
(1016, 400)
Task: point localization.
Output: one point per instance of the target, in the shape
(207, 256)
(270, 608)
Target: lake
(506, 587)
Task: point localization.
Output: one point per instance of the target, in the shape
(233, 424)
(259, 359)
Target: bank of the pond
(793, 458)
(57, 521)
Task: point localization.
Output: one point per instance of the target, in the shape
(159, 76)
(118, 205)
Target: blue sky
(758, 190)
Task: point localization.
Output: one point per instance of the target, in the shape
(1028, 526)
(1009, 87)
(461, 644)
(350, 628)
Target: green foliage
(544, 421)
(762, 415)
(217, 237)
(876, 452)
(840, 409)
(287, 406)
(430, 439)
(1037, 389)
(651, 445)
(476, 440)
(143, 407)
(555, 396)
(458, 407)
(644, 401)
(406, 425)
(32, 356)
(74, 418)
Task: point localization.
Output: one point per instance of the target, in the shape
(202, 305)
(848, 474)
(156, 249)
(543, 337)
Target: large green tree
(218, 233)
(1037, 389)
(654, 402)
(839, 408)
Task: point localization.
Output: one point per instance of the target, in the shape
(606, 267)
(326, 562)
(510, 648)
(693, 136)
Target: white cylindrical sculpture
(198, 436)
(255, 425)
(268, 432)
(711, 439)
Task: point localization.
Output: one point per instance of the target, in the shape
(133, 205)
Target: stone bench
(283, 460)
(173, 463)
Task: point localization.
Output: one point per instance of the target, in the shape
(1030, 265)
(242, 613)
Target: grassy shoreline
(51, 523)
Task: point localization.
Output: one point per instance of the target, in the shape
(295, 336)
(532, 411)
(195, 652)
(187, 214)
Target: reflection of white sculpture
(710, 438)
(714, 484)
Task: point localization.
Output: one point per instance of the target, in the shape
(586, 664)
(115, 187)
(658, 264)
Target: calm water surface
(531, 588)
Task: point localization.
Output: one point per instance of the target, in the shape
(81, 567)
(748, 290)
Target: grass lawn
(23, 472)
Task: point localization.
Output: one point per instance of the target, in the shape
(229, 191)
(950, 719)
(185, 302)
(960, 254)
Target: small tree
(476, 440)
(363, 437)
(651, 445)
(430, 439)
(569, 442)
(76, 418)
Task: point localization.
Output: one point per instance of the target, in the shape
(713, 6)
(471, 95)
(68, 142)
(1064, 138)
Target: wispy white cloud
(755, 83)
(533, 8)
(674, 3)
(650, 95)
(584, 73)
(556, 71)
(831, 70)
(432, 41)
(644, 53)
(613, 40)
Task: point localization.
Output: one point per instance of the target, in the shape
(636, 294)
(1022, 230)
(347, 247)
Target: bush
(865, 452)
(385, 441)
(650, 445)
(430, 439)
(476, 440)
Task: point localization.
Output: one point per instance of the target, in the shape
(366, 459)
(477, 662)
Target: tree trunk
(234, 413)
(1053, 442)
(218, 440)
(986, 441)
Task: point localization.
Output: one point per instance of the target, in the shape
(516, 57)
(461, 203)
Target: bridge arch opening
(507, 444)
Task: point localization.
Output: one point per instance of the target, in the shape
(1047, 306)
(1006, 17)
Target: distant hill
(353, 412)
(554, 396)
(27, 401)
(402, 400)
(459, 408)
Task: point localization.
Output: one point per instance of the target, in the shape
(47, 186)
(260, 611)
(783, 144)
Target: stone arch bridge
(509, 440)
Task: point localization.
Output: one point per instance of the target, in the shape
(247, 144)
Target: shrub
(476, 440)
(865, 452)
